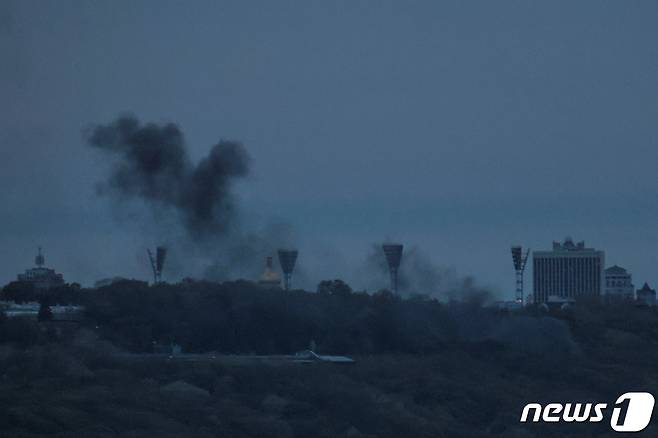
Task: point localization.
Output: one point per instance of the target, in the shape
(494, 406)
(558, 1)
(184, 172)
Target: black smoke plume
(152, 164)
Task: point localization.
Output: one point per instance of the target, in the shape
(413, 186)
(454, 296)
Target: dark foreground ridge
(422, 368)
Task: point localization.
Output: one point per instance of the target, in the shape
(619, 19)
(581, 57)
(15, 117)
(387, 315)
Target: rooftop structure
(40, 276)
(270, 278)
(569, 245)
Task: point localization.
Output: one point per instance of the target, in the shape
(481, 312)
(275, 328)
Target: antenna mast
(39, 260)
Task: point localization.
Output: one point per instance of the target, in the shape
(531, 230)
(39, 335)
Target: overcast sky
(460, 127)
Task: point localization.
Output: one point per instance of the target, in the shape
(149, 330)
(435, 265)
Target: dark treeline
(243, 318)
(240, 317)
(21, 292)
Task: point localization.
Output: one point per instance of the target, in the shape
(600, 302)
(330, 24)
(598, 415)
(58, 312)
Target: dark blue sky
(459, 127)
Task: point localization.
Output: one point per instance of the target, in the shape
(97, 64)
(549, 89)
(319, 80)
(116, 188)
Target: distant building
(507, 305)
(618, 284)
(41, 277)
(31, 310)
(308, 356)
(558, 302)
(567, 272)
(646, 296)
(270, 278)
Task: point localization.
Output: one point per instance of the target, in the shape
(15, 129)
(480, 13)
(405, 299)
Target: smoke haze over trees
(420, 275)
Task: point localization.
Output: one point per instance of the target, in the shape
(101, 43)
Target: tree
(19, 291)
(45, 312)
(334, 287)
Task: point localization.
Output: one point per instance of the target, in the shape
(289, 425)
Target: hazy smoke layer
(419, 275)
(153, 165)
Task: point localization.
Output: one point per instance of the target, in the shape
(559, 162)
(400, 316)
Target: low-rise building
(31, 310)
(40, 276)
(618, 284)
(646, 296)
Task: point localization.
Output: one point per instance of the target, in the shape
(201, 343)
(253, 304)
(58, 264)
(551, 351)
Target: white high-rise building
(567, 272)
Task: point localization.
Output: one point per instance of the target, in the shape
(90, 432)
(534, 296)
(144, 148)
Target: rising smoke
(152, 165)
(419, 275)
(194, 211)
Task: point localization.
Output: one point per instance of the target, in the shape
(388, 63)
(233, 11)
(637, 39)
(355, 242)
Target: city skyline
(611, 281)
(455, 133)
